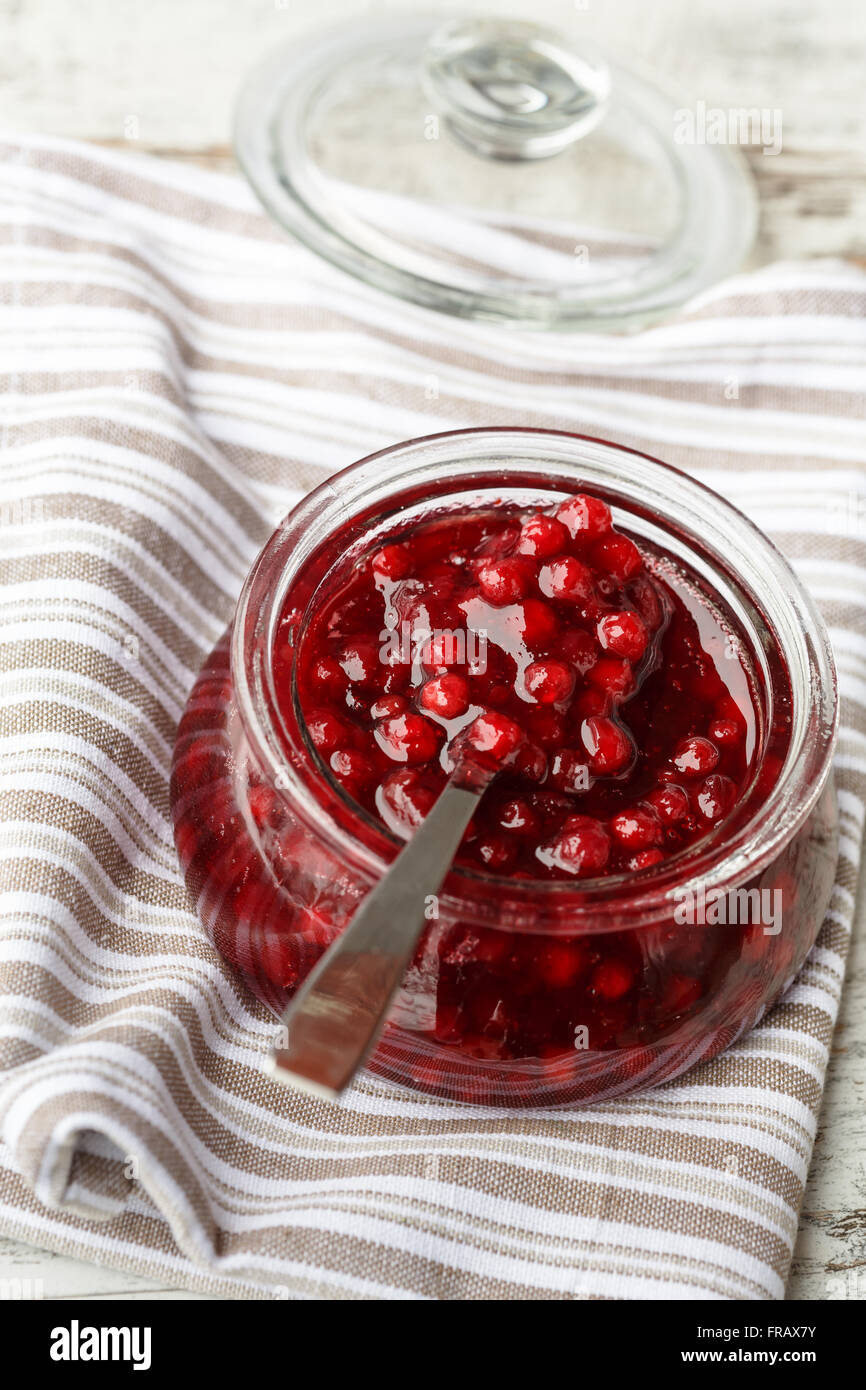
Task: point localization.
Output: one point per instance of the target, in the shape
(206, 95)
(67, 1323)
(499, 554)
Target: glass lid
(489, 169)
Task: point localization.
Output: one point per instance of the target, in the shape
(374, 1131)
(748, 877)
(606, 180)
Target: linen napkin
(175, 374)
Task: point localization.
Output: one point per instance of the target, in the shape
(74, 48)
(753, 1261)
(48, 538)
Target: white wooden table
(162, 77)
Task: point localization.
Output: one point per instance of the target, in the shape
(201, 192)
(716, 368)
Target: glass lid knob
(513, 90)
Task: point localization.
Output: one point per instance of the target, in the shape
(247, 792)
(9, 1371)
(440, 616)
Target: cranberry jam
(625, 702)
(652, 862)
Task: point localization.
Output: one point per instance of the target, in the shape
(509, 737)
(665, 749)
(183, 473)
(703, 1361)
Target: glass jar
(277, 857)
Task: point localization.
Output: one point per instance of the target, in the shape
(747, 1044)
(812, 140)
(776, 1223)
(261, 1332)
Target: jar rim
(703, 516)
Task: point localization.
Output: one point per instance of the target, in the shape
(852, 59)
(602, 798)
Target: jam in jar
(652, 862)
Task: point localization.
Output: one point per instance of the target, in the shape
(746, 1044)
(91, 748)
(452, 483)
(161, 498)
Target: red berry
(351, 766)
(446, 695)
(695, 756)
(518, 817)
(645, 859)
(408, 738)
(716, 797)
(545, 726)
(495, 852)
(506, 581)
(387, 706)
(587, 518)
(609, 747)
(537, 622)
(613, 675)
(637, 828)
(589, 703)
(326, 730)
(582, 847)
(611, 979)
(329, 676)
(548, 682)
(566, 579)
(623, 634)
(670, 803)
(645, 597)
(561, 963)
(579, 649)
(393, 562)
(530, 761)
(726, 731)
(362, 662)
(617, 555)
(404, 800)
(494, 734)
(542, 536)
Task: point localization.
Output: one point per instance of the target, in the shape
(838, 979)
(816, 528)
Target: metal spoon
(334, 1020)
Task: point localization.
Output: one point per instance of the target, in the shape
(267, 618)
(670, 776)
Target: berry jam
(623, 703)
(639, 707)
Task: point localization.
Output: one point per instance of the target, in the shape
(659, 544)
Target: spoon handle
(336, 1016)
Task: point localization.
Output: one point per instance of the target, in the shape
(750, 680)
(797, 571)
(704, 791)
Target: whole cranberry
(441, 651)
(582, 847)
(494, 734)
(536, 622)
(619, 556)
(446, 695)
(645, 859)
(329, 676)
(587, 518)
(670, 803)
(408, 738)
(566, 579)
(613, 675)
(531, 762)
(549, 682)
(351, 766)
(579, 648)
(392, 562)
(518, 817)
(637, 828)
(542, 536)
(387, 706)
(726, 731)
(695, 756)
(404, 800)
(716, 796)
(326, 730)
(545, 726)
(561, 963)
(611, 979)
(506, 581)
(609, 747)
(362, 662)
(496, 852)
(623, 634)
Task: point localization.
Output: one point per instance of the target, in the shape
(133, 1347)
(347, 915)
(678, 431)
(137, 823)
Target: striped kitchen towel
(175, 374)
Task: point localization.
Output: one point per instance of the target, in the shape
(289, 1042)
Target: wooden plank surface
(162, 77)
